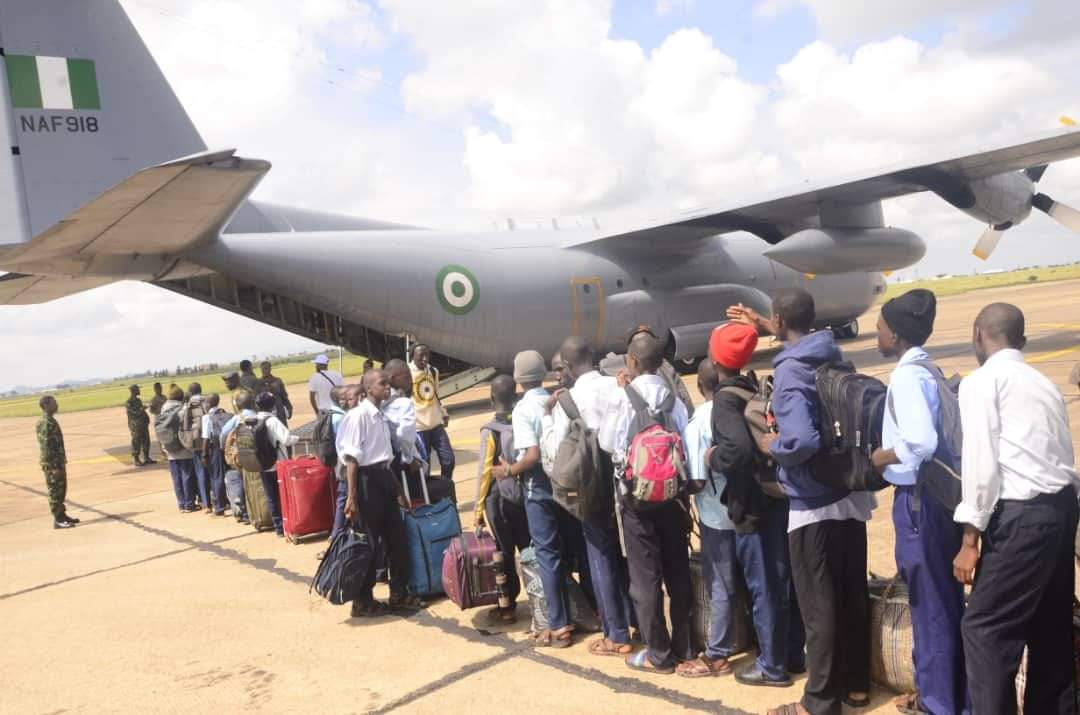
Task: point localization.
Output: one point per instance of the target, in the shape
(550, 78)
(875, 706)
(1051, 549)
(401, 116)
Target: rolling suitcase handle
(423, 486)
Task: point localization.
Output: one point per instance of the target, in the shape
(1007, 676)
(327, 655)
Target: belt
(376, 466)
(1043, 497)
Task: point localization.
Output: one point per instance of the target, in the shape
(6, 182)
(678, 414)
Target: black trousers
(510, 527)
(381, 516)
(1023, 595)
(658, 552)
(828, 567)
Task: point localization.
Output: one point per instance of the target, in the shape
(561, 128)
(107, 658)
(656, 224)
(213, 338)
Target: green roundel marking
(457, 289)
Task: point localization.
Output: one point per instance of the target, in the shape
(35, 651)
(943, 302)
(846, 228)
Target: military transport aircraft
(108, 180)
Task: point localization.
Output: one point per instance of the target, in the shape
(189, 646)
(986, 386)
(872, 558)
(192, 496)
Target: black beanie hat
(911, 316)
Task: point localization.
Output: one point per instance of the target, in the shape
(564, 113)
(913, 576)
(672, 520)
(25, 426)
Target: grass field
(116, 393)
(963, 284)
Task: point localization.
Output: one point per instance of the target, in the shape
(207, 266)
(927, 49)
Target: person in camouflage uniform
(54, 461)
(157, 400)
(139, 426)
(273, 384)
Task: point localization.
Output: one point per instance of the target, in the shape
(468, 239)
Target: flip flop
(638, 661)
(553, 639)
(703, 667)
(603, 646)
(787, 709)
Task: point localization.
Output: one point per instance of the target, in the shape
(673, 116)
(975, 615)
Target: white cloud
(666, 7)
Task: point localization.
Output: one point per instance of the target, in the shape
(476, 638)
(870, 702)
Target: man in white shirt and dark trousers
(321, 383)
(281, 439)
(608, 572)
(374, 493)
(927, 538)
(658, 540)
(1020, 500)
(826, 525)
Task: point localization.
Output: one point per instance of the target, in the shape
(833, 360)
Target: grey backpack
(167, 429)
(941, 475)
(581, 477)
(509, 489)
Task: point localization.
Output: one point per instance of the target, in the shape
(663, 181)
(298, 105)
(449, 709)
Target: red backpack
(655, 472)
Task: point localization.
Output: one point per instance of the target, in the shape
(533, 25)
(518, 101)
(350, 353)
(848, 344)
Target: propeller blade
(988, 242)
(1035, 173)
(1064, 214)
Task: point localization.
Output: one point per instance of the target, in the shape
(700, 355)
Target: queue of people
(998, 514)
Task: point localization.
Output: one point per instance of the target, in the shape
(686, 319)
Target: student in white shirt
(281, 439)
(658, 540)
(321, 383)
(590, 392)
(364, 447)
(213, 456)
(1020, 500)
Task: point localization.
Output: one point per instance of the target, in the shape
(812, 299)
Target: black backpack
(325, 439)
(343, 573)
(581, 477)
(509, 489)
(851, 409)
(218, 420)
(257, 452)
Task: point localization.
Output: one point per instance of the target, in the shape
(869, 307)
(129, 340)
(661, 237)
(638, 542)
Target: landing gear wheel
(687, 366)
(847, 332)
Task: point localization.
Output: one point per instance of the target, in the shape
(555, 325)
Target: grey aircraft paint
(86, 108)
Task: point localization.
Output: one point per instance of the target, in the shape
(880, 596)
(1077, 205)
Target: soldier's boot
(72, 519)
(136, 461)
(63, 523)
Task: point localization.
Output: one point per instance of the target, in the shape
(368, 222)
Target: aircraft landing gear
(849, 331)
(687, 366)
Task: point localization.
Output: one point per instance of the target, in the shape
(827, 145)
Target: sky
(463, 114)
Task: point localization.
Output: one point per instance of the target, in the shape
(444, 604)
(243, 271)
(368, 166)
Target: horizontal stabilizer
(160, 211)
(17, 289)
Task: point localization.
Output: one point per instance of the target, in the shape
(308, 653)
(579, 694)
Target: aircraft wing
(18, 289)
(769, 216)
(162, 211)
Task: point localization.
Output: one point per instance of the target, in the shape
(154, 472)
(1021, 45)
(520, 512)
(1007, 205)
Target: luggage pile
(743, 638)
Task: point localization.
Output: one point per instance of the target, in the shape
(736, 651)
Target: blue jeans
(437, 442)
(543, 515)
(216, 467)
(610, 581)
(926, 542)
(202, 480)
(766, 568)
(182, 472)
(273, 498)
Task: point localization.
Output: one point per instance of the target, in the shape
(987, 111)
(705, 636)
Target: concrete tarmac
(141, 608)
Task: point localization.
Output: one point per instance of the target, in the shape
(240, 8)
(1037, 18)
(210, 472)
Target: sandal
(606, 646)
(410, 601)
(856, 703)
(704, 667)
(500, 616)
(368, 609)
(547, 638)
(909, 704)
(640, 661)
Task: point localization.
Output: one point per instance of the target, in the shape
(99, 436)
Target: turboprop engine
(843, 250)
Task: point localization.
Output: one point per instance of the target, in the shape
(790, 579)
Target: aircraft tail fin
(83, 106)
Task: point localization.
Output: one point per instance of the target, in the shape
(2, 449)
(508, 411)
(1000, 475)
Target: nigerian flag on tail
(52, 83)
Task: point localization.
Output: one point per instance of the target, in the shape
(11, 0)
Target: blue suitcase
(429, 529)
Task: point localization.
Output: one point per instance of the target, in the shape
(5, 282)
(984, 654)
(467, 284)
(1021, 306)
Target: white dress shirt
(913, 435)
(401, 414)
(699, 437)
(614, 433)
(364, 435)
(1017, 442)
(528, 418)
(590, 393)
(280, 436)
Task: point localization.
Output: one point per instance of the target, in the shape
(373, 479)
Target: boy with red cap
(741, 527)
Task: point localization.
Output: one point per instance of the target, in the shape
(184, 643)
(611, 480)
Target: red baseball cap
(732, 345)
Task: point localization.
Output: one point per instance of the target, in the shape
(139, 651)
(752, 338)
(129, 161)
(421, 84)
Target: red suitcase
(307, 497)
(471, 571)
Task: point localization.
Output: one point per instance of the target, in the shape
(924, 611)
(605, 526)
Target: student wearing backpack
(826, 525)
(191, 423)
(244, 404)
(588, 393)
(181, 459)
(500, 504)
(743, 531)
(272, 440)
(657, 534)
(927, 538)
(344, 398)
(1019, 499)
(212, 422)
(543, 514)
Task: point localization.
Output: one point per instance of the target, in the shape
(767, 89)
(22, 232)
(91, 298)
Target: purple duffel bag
(470, 569)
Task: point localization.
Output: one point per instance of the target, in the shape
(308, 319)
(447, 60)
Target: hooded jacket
(795, 404)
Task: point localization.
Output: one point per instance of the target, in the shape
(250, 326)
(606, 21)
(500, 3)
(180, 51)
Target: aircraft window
(618, 283)
(585, 287)
(645, 282)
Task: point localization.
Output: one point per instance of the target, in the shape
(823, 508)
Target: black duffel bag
(344, 570)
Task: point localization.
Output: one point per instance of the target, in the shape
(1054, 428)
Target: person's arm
(526, 437)
(285, 401)
(314, 404)
(484, 477)
(798, 439)
(352, 498)
(980, 471)
(734, 450)
(916, 435)
(740, 313)
(406, 431)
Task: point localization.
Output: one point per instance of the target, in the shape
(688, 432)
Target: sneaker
(63, 524)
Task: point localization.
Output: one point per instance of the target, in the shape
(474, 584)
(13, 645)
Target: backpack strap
(637, 402)
(566, 401)
(745, 394)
